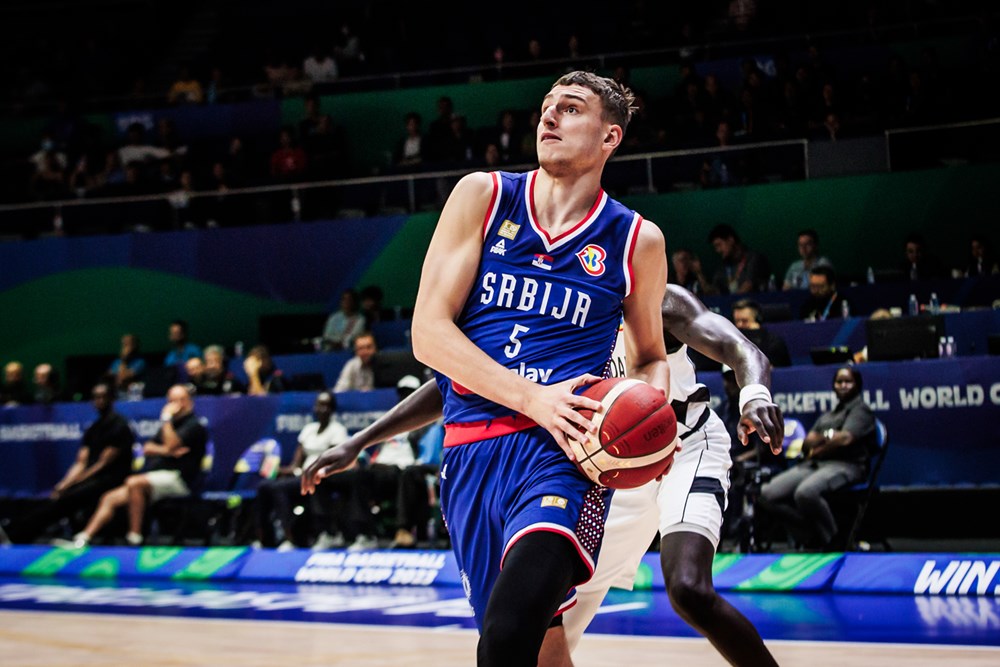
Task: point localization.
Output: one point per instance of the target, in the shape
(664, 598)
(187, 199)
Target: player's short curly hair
(618, 99)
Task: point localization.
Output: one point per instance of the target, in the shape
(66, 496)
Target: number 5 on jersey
(515, 343)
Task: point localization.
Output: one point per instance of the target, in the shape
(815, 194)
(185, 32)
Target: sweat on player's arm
(446, 281)
(690, 322)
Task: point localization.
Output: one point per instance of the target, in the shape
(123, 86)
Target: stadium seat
(224, 507)
(851, 504)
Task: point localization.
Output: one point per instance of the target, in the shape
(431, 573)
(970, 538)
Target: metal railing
(639, 173)
(926, 146)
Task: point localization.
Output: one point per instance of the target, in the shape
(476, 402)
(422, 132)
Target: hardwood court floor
(37, 638)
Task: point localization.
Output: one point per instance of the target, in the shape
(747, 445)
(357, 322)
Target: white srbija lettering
(522, 294)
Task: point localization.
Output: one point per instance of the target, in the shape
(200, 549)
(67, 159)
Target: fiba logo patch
(592, 258)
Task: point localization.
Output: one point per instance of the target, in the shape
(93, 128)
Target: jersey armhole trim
(494, 206)
(633, 236)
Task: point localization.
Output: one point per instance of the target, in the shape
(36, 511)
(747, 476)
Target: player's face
(572, 129)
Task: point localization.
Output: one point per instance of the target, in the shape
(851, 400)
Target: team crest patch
(554, 501)
(508, 230)
(542, 262)
(592, 258)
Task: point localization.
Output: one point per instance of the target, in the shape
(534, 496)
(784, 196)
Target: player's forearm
(655, 372)
(442, 346)
(416, 410)
(749, 364)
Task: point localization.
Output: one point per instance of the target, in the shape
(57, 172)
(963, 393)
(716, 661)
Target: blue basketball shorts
(495, 491)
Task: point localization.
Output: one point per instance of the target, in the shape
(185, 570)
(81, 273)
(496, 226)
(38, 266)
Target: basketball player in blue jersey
(525, 281)
(688, 541)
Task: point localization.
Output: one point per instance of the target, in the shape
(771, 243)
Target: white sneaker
(287, 545)
(255, 545)
(133, 539)
(4, 540)
(327, 541)
(79, 541)
(364, 543)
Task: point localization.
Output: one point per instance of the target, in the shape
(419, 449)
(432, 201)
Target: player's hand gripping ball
(636, 434)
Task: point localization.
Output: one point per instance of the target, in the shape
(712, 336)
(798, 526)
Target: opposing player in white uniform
(686, 507)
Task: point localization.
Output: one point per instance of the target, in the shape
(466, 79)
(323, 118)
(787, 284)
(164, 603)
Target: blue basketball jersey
(546, 308)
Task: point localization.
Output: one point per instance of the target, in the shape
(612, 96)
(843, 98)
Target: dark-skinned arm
(688, 320)
(418, 409)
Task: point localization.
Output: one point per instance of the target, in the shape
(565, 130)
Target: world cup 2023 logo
(592, 258)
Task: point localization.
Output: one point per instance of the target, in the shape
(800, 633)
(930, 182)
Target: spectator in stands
(797, 275)
(129, 367)
(349, 51)
(824, 301)
(186, 89)
(747, 318)
(49, 182)
(216, 87)
(181, 349)
(687, 272)
(418, 483)
(111, 176)
(491, 160)
(184, 206)
(981, 261)
(345, 323)
(81, 180)
(237, 168)
(172, 469)
(194, 371)
(459, 145)
(861, 356)
(276, 498)
(917, 263)
(15, 390)
(720, 170)
(137, 149)
(102, 463)
(288, 160)
(262, 376)
(408, 153)
(326, 150)
(645, 131)
(743, 269)
(47, 151)
(371, 297)
(358, 373)
(439, 130)
(379, 480)
(837, 450)
(216, 379)
(47, 387)
(319, 67)
(528, 151)
(505, 135)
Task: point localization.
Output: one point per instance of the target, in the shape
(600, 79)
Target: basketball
(636, 434)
